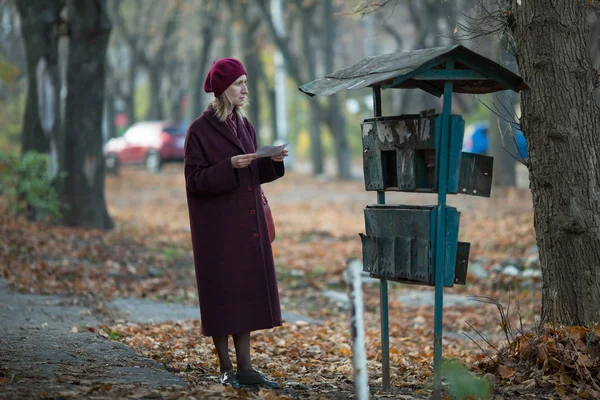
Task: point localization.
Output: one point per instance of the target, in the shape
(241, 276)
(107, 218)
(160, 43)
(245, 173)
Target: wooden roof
(425, 69)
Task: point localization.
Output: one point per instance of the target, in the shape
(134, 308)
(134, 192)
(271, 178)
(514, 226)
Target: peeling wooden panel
(415, 140)
(406, 169)
(372, 163)
(403, 240)
(401, 132)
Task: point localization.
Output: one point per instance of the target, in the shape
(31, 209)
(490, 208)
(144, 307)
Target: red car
(149, 143)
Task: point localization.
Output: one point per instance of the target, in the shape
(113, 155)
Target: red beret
(222, 74)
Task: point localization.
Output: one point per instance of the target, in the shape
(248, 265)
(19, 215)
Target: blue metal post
(385, 334)
(440, 243)
(383, 284)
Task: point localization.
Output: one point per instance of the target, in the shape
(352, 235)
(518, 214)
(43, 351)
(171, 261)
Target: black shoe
(228, 377)
(257, 379)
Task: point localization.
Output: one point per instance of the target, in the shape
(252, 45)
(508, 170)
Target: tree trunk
(252, 64)
(316, 147)
(199, 97)
(84, 184)
(40, 40)
(335, 117)
(155, 111)
(561, 122)
(130, 98)
(109, 112)
(316, 143)
(501, 142)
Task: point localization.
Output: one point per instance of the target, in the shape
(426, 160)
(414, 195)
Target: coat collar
(223, 129)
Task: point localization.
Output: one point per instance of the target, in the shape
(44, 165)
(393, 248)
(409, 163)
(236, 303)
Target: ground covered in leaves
(148, 255)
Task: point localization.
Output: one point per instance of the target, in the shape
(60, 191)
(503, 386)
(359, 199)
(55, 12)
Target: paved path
(41, 354)
(46, 350)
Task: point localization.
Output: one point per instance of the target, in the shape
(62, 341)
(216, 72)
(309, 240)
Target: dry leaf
(506, 372)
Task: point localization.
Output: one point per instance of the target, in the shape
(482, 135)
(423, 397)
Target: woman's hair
(223, 105)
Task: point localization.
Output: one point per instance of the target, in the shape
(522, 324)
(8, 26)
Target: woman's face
(237, 91)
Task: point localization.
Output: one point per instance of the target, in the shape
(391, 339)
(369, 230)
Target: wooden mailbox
(399, 244)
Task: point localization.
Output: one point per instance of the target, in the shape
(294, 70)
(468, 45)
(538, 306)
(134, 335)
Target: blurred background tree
(159, 52)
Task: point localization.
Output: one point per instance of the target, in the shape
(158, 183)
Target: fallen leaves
(566, 357)
(149, 255)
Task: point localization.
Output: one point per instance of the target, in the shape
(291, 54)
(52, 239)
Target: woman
(234, 266)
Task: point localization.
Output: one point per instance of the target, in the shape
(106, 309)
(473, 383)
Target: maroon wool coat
(235, 274)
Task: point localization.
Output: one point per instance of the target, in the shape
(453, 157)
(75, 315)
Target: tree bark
(561, 122)
(210, 24)
(84, 184)
(155, 111)
(252, 64)
(501, 142)
(40, 40)
(316, 143)
(335, 117)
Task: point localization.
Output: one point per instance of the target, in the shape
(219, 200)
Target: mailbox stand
(419, 244)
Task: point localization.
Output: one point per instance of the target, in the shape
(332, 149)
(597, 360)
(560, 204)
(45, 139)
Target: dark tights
(242, 352)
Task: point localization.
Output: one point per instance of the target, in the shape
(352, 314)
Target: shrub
(24, 182)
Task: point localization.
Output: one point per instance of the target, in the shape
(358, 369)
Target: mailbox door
(462, 261)
(475, 174)
(452, 223)
(407, 229)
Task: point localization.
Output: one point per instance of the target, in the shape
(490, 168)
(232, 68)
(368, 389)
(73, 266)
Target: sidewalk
(47, 350)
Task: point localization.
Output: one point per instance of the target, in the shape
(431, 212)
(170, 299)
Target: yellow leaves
(344, 350)
(576, 332)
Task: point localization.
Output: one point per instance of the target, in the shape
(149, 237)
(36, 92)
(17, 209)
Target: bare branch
(368, 7)
(481, 348)
(485, 340)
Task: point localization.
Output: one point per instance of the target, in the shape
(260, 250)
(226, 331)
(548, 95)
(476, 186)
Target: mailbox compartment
(399, 244)
(402, 154)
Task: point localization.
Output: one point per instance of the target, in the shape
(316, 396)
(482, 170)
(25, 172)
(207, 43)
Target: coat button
(252, 211)
(255, 236)
(249, 188)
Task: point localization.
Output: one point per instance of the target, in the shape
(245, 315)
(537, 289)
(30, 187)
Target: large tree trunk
(335, 117)
(199, 98)
(316, 142)
(84, 184)
(272, 101)
(561, 122)
(501, 142)
(40, 40)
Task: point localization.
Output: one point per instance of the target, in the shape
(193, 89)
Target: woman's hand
(281, 156)
(243, 160)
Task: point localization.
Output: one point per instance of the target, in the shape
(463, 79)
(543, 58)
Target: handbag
(268, 216)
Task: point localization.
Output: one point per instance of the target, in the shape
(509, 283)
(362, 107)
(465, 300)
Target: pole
(440, 243)
(357, 325)
(280, 81)
(383, 284)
